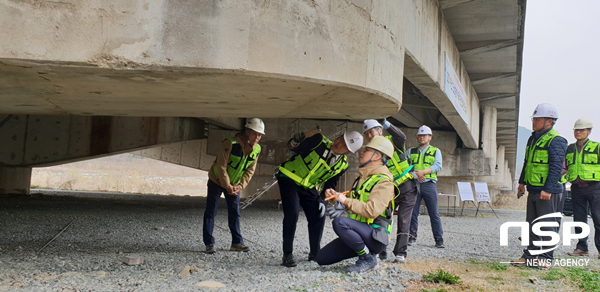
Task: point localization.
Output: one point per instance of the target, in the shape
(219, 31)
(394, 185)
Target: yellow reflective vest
(583, 164)
(238, 162)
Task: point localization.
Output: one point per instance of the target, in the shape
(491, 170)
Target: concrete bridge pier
(15, 180)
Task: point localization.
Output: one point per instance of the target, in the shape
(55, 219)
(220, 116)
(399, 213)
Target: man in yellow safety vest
(583, 171)
(230, 173)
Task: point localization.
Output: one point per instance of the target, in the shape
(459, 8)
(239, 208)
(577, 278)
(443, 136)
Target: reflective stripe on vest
(399, 165)
(425, 161)
(583, 164)
(362, 193)
(536, 170)
(238, 162)
(311, 170)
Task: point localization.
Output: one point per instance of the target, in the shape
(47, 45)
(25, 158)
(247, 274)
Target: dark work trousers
(213, 196)
(584, 198)
(536, 208)
(405, 202)
(353, 236)
(292, 197)
(428, 193)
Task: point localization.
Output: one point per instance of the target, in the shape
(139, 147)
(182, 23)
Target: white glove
(321, 209)
(336, 210)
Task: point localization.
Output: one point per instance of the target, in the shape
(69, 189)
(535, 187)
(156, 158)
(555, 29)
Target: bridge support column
(15, 180)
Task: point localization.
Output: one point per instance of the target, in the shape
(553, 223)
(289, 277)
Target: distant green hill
(522, 137)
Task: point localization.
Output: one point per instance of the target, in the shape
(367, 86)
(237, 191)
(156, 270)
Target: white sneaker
(400, 259)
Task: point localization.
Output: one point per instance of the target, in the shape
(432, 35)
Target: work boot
(288, 260)
(312, 258)
(439, 243)
(239, 247)
(412, 240)
(364, 263)
(400, 259)
(210, 249)
(383, 255)
(578, 252)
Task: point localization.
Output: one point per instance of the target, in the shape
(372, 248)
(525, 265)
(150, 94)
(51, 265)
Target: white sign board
(481, 189)
(455, 92)
(465, 191)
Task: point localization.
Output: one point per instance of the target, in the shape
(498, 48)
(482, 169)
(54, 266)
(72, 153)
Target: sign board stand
(466, 195)
(483, 195)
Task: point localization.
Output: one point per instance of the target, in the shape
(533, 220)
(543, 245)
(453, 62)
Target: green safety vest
(238, 162)
(312, 169)
(362, 193)
(536, 170)
(583, 164)
(425, 161)
(399, 165)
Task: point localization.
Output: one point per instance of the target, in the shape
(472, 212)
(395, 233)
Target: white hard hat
(370, 124)
(256, 125)
(424, 130)
(353, 140)
(382, 145)
(583, 123)
(545, 110)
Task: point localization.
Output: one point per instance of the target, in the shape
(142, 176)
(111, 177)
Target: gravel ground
(167, 232)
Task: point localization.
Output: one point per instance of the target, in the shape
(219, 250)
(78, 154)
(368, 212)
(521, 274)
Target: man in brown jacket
(230, 173)
(366, 230)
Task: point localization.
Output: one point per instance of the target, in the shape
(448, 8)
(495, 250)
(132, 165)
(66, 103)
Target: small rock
(159, 228)
(132, 260)
(534, 280)
(101, 274)
(185, 271)
(210, 284)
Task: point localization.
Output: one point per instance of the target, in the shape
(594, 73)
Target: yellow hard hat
(382, 145)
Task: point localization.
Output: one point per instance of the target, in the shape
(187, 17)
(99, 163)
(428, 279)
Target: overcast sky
(561, 62)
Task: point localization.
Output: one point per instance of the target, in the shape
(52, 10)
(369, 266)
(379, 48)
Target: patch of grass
(525, 274)
(588, 280)
(497, 266)
(554, 274)
(442, 277)
(433, 290)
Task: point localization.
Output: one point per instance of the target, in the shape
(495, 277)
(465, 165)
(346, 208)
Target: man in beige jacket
(365, 232)
(230, 173)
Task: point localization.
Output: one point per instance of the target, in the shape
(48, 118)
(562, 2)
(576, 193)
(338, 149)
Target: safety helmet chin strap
(546, 119)
(370, 159)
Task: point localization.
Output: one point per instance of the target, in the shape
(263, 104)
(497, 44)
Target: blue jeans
(233, 214)
(428, 193)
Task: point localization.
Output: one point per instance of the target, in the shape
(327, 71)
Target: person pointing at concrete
(542, 171)
(583, 171)
(316, 160)
(401, 168)
(230, 173)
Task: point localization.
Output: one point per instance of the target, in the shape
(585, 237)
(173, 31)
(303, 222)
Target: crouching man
(365, 232)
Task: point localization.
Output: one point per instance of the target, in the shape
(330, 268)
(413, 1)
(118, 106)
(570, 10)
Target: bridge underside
(33, 87)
